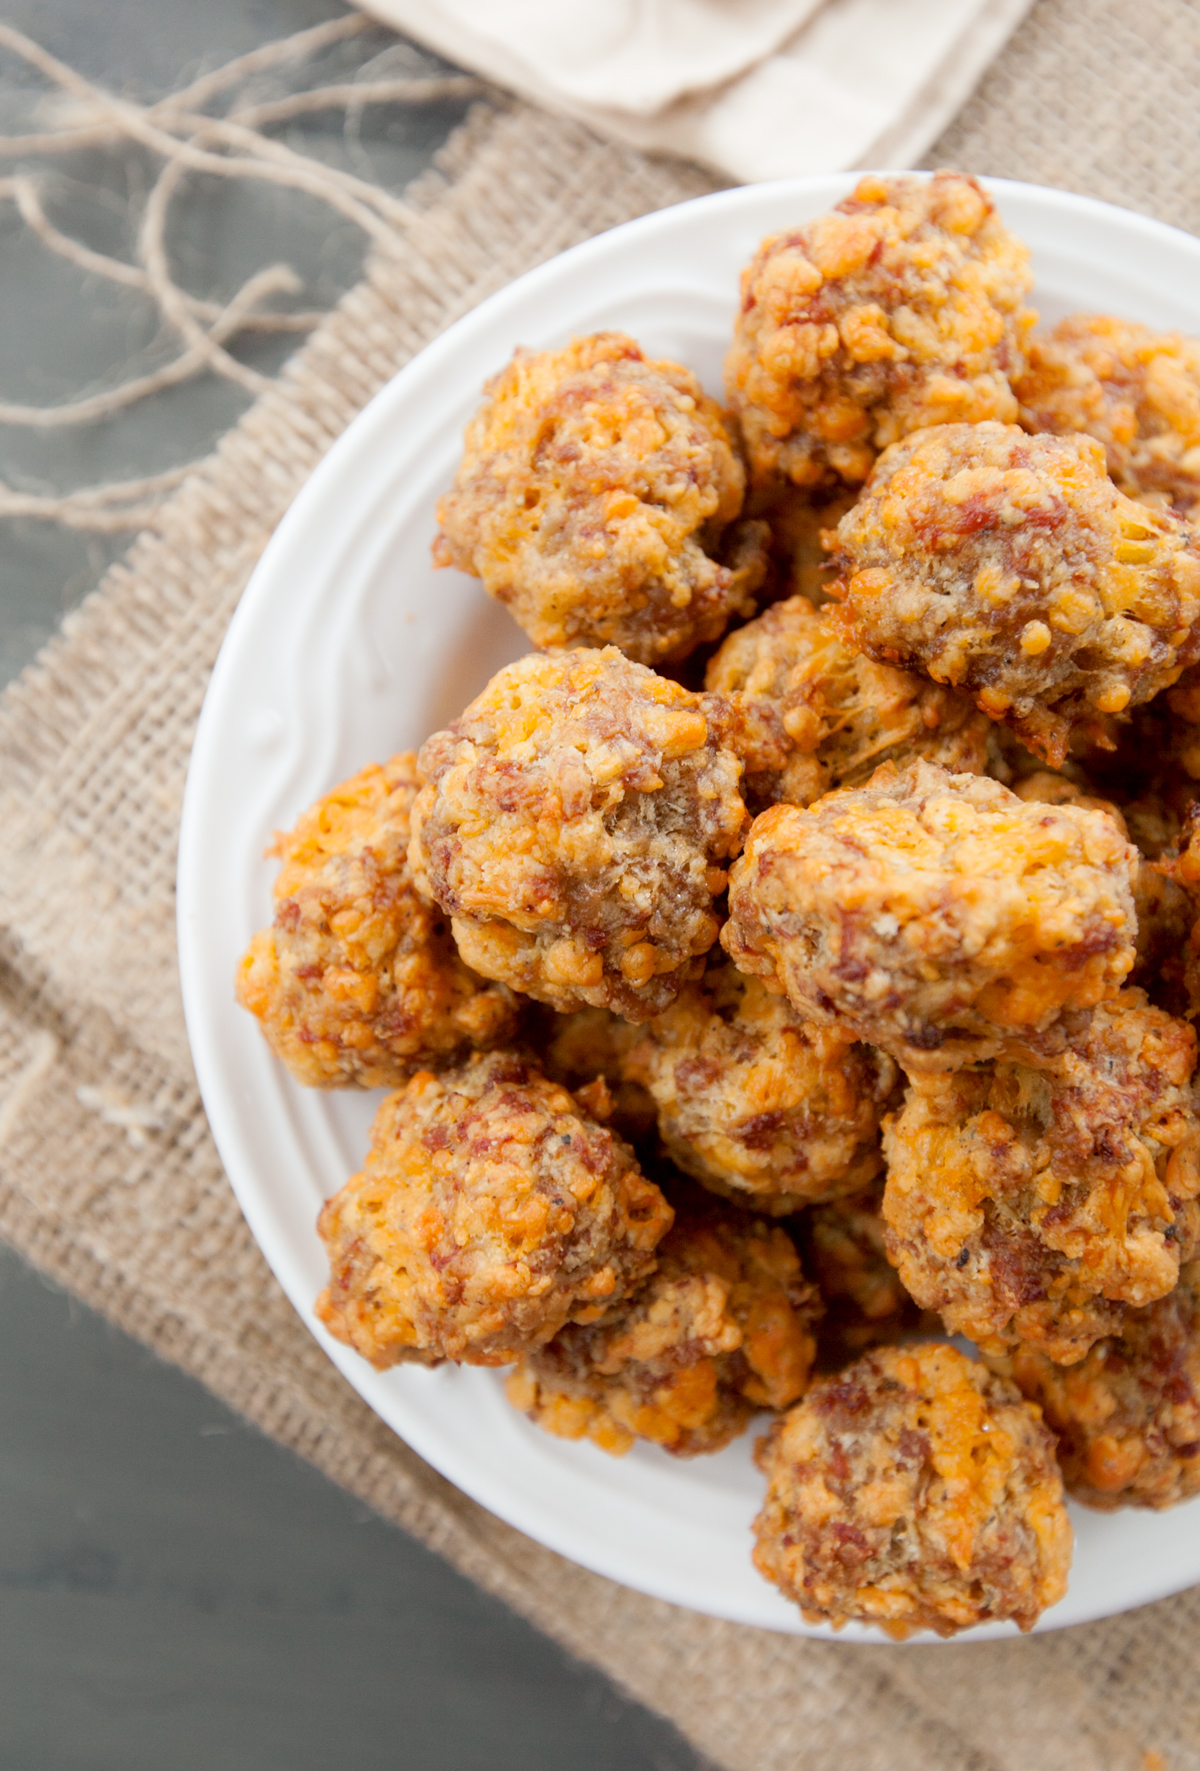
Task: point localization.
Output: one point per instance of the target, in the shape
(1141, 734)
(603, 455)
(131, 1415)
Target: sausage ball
(803, 527)
(914, 1490)
(904, 307)
(755, 1102)
(1011, 567)
(722, 1328)
(595, 499)
(934, 915)
(842, 1245)
(358, 982)
(1128, 1416)
(1029, 1198)
(490, 1211)
(573, 825)
(1136, 391)
(586, 1052)
(811, 715)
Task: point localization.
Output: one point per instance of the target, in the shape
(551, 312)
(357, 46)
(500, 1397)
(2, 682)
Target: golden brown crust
(722, 1328)
(1136, 391)
(491, 1211)
(914, 1490)
(1010, 566)
(1029, 1198)
(595, 499)
(573, 826)
(755, 1102)
(842, 1245)
(903, 307)
(358, 982)
(1127, 1417)
(934, 915)
(812, 715)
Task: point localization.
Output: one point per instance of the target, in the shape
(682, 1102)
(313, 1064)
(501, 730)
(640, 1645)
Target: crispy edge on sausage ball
(358, 981)
(595, 499)
(934, 915)
(1127, 1417)
(1029, 1198)
(812, 715)
(721, 1329)
(903, 307)
(491, 1210)
(1011, 567)
(914, 1490)
(1136, 391)
(758, 1104)
(574, 824)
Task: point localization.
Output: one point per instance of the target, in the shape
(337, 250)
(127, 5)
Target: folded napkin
(753, 88)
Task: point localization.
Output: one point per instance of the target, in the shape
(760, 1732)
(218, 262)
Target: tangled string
(180, 132)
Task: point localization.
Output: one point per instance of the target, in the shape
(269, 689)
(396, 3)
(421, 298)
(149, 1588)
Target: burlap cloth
(108, 1178)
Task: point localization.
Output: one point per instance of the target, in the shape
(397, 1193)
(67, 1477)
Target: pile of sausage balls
(765, 997)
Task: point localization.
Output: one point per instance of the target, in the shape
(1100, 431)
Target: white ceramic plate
(346, 647)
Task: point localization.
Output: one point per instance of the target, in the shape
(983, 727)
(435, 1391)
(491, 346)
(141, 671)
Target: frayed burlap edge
(109, 1181)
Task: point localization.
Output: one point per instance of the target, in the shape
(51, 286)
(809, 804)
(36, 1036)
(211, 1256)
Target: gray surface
(176, 1593)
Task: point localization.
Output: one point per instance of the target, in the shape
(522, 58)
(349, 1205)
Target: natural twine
(108, 1178)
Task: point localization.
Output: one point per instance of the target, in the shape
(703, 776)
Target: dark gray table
(176, 1593)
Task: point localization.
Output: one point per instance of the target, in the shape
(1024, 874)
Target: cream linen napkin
(753, 88)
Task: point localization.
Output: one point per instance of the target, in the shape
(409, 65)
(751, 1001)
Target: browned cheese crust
(722, 1329)
(573, 826)
(934, 915)
(811, 715)
(915, 1490)
(1127, 1417)
(842, 1245)
(1136, 391)
(903, 307)
(1031, 1197)
(358, 982)
(595, 499)
(755, 1102)
(491, 1210)
(1011, 567)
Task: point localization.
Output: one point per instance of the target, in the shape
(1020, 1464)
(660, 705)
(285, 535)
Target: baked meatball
(914, 1490)
(1011, 567)
(573, 825)
(358, 982)
(595, 499)
(490, 1211)
(842, 1245)
(722, 1329)
(934, 915)
(812, 715)
(586, 1052)
(755, 1102)
(1029, 1198)
(904, 307)
(1136, 391)
(1128, 1416)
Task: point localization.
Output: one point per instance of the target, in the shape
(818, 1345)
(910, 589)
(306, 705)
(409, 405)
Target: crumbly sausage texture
(934, 915)
(722, 1329)
(1127, 1418)
(915, 1490)
(594, 499)
(1031, 1197)
(573, 826)
(811, 715)
(842, 1245)
(903, 307)
(1136, 391)
(358, 982)
(491, 1211)
(757, 1103)
(1010, 566)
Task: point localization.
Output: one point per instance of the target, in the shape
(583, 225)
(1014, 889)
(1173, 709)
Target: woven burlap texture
(108, 1177)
